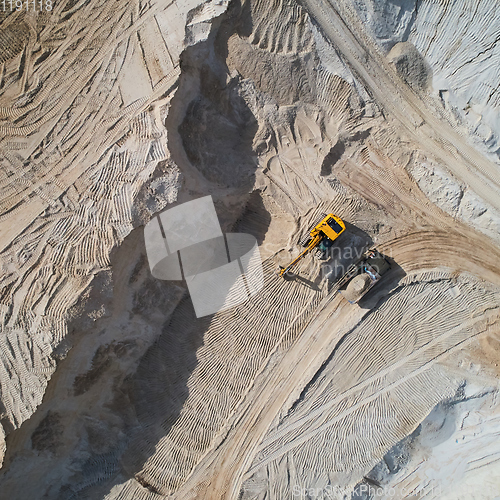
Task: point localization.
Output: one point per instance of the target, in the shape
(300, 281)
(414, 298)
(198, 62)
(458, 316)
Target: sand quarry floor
(113, 111)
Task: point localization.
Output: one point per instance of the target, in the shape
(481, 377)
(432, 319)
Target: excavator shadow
(313, 285)
(383, 289)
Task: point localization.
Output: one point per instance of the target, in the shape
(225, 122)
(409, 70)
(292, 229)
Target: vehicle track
(64, 172)
(318, 420)
(344, 29)
(221, 472)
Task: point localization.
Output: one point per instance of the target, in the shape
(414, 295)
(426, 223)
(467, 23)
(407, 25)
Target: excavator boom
(314, 243)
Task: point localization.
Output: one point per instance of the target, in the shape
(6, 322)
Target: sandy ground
(112, 388)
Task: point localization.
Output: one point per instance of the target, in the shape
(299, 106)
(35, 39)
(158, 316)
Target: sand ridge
(282, 111)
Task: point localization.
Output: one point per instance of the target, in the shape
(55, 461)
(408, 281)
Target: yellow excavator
(322, 235)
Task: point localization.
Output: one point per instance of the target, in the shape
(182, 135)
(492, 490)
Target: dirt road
(344, 29)
(221, 473)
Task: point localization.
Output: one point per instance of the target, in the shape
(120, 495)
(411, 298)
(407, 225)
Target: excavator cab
(321, 236)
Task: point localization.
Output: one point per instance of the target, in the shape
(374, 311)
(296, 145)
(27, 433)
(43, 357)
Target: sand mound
(357, 286)
(410, 65)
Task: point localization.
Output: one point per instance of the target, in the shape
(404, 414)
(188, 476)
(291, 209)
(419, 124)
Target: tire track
(344, 29)
(221, 472)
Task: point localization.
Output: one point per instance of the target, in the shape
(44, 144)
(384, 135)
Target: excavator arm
(312, 244)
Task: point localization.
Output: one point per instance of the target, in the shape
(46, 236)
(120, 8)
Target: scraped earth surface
(384, 113)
